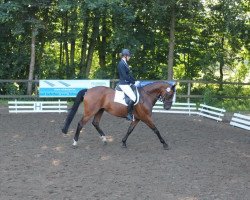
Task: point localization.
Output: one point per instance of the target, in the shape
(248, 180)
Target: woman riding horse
(126, 81)
(99, 99)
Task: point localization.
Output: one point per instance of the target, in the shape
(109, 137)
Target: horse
(98, 99)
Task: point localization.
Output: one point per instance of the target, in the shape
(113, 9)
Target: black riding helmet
(125, 52)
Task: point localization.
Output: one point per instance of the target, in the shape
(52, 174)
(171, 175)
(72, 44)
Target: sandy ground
(207, 160)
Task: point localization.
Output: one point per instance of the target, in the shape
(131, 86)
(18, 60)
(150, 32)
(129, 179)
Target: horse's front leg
(130, 129)
(165, 145)
(156, 131)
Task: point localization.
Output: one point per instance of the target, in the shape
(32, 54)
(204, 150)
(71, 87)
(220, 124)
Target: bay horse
(99, 99)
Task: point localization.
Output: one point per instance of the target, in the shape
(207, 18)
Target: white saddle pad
(120, 97)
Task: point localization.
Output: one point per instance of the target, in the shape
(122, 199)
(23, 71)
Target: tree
(171, 43)
(226, 29)
(168, 38)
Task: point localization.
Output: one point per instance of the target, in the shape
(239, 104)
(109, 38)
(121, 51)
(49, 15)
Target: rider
(126, 81)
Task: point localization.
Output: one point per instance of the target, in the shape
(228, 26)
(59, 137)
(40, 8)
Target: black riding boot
(130, 116)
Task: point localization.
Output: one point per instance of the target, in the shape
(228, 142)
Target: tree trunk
(171, 44)
(41, 50)
(114, 65)
(73, 43)
(222, 63)
(92, 43)
(66, 48)
(103, 43)
(61, 51)
(65, 44)
(82, 64)
(72, 58)
(32, 61)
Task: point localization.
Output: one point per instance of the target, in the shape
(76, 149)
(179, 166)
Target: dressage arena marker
(241, 121)
(37, 106)
(211, 112)
(178, 108)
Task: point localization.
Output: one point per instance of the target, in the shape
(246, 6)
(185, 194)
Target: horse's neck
(153, 91)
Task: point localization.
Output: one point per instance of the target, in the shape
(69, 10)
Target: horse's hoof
(74, 143)
(104, 140)
(64, 131)
(124, 145)
(165, 147)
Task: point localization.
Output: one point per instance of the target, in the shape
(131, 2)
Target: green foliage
(211, 40)
(236, 105)
(142, 26)
(12, 89)
(209, 96)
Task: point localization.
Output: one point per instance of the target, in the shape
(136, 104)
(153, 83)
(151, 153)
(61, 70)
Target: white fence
(211, 112)
(238, 120)
(178, 108)
(241, 121)
(37, 106)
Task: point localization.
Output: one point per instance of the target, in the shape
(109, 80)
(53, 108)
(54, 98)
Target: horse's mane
(172, 83)
(150, 83)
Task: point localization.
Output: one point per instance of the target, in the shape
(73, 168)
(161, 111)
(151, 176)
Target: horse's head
(164, 91)
(168, 94)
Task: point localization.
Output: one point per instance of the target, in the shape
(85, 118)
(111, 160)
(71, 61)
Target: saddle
(121, 97)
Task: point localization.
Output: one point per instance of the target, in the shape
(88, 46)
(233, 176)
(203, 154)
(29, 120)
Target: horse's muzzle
(167, 105)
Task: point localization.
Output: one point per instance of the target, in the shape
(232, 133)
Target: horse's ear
(172, 83)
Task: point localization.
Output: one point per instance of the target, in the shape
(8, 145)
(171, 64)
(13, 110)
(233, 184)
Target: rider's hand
(137, 83)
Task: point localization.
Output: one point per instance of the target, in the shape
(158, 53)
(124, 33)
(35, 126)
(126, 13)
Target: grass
(3, 102)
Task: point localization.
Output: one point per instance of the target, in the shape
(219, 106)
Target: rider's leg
(129, 92)
(130, 110)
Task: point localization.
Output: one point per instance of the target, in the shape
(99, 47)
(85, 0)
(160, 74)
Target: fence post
(16, 105)
(59, 101)
(189, 91)
(36, 87)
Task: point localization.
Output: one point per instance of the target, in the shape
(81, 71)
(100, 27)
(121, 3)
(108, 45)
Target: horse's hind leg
(80, 125)
(96, 122)
(79, 128)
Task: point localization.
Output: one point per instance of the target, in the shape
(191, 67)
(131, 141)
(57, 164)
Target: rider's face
(127, 58)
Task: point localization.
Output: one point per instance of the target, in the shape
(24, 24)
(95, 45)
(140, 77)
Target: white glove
(137, 83)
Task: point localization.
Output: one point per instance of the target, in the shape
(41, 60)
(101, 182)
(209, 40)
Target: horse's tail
(72, 112)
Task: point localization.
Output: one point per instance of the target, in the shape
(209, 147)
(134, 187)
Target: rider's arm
(132, 79)
(124, 73)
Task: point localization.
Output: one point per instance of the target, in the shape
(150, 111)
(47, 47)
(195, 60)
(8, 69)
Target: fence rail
(113, 82)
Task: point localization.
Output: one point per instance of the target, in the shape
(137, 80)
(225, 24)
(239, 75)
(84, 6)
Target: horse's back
(100, 89)
(98, 93)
